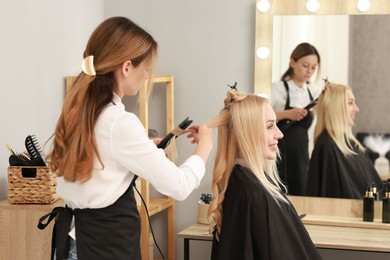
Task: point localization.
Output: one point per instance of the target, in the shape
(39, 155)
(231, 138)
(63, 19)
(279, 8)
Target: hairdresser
(98, 148)
(290, 96)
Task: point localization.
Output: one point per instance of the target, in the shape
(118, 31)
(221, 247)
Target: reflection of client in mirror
(339, 168)
(290, 96)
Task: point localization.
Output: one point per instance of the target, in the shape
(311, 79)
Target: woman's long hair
(333, 116)
(302, 50)
(113, 42)
(242, 137)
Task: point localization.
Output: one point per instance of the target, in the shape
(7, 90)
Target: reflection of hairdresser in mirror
(290, 96)
(251, 216)
(339, 168)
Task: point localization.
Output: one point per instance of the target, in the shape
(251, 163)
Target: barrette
(326, 81)
(234, 86)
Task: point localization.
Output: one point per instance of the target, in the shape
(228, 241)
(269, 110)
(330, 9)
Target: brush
(34, 150)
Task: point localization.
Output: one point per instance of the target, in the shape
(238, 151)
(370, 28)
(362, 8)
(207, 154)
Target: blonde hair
(115, 41)
(333, 116)
(241, 136)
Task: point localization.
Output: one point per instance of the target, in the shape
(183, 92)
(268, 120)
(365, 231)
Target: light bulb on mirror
(312, 6)
(262, 53)
(364, 5)
(263, 6)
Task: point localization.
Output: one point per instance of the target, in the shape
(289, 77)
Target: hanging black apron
(294, 150)
(110, 233)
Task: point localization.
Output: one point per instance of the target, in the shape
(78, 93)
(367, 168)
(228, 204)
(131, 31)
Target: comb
(34, 150)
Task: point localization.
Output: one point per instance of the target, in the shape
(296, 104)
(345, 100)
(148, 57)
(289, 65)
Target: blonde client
(250, 215)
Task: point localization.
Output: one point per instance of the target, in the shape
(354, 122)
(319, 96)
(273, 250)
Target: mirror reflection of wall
(329, 34)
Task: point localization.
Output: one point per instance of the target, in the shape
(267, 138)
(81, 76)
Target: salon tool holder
(31, 185)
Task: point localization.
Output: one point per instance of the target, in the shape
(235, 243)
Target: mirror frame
(264, 27)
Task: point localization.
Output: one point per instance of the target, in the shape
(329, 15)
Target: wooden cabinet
(156, 205)
(20, 237)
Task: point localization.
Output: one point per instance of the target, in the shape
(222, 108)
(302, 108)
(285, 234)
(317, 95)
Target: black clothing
(110, 233)
(332, 174)
(294, 150)
(256, 227)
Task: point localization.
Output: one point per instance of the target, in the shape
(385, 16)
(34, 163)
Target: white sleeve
(278, 96)
(137, 153)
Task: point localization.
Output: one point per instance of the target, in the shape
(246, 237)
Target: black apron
(294, 150)
(110, 233)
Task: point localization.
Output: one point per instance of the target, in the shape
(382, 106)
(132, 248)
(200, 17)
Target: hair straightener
(182, 126)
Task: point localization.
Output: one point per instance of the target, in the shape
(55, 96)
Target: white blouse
(126, 150)
(299, 97)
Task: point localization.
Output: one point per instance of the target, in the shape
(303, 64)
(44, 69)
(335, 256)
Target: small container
(202, 213)
(368, 206)
(386, 206)
(31, 185)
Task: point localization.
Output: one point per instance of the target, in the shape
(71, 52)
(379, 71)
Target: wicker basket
(31, 185)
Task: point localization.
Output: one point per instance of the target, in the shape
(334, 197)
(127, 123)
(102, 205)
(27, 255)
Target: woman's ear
(126, 68)
(292, 63)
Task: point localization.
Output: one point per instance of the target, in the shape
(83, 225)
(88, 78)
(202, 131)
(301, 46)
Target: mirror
(264, 28)
(265, 73)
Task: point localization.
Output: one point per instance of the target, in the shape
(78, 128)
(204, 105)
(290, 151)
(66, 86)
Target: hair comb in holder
(34, 150)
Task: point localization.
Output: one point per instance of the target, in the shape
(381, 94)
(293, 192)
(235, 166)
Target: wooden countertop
(197, 232)
(328, 232)
(349, 238)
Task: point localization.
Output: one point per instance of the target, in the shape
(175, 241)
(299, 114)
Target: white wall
(329, 34)
(205, 45)
(42, 41)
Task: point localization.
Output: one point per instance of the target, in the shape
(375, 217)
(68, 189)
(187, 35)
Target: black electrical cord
(150, 224)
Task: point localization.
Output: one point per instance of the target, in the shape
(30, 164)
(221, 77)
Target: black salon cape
(332, 174)
(255, 227)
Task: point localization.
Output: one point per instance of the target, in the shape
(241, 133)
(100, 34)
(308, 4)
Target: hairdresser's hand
(200, 133)
(203, 136)
(296, 114)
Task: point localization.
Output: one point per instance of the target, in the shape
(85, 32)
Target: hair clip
(234, 87)
(326, 81)
(87, 66)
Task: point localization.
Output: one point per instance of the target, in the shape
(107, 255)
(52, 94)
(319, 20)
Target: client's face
(352, 107)
(273, 132)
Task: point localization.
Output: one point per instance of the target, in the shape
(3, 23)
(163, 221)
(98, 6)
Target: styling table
(345, 231)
